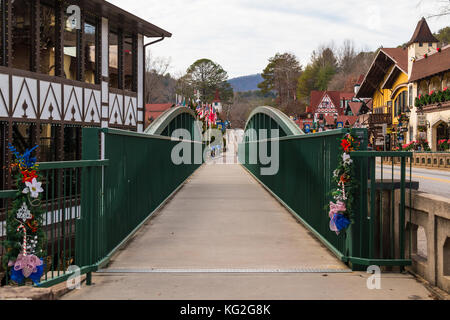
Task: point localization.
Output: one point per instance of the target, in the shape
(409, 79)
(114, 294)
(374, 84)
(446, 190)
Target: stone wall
(429, 229)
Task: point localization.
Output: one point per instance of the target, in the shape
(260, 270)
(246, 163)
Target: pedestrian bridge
(151, 228)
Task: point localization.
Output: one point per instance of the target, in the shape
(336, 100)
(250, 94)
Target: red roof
(153, 111)
(435, 63)
(329, 120)
(217, 97)
(399, 56)
(361, 79)
(316, 97)
(335, 96)
(350, 119)
(355, 106)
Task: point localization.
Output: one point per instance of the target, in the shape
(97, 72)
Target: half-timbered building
(63, 68)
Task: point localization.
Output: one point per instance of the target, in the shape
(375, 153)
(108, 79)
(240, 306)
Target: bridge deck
(224, 237)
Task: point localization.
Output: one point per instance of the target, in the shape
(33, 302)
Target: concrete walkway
(224, 237)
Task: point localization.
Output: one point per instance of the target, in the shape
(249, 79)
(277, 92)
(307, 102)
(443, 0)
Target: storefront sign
(307, 128)
(421, 120)
(340, 125)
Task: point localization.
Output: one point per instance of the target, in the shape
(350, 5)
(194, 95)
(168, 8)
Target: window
(90, 51)
(49, 142)
(446, 81)
(389, 107)
(23, 136)
(128, 63)
(70, 49)
(435, 84)
(21, 34)
(400, 103)
(113, 60)
(48, 39)
(72, 143)
(430, 44)
(420, 44)
(410, 94)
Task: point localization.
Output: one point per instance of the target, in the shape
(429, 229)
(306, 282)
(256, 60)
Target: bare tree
(442, 6)
(159, 84)
(346, 56)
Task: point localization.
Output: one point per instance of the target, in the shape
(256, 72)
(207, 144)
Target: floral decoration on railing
(432, 98)
(25, 237)
(340, 212)
(444, 144)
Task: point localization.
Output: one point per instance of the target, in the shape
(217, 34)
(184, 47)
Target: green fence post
(85, 239)
(402, 208)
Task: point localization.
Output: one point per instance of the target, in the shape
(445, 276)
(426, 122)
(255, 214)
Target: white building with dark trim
(56, 78)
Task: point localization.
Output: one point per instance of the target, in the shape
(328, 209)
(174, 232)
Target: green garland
(26, 213)
(345, 185)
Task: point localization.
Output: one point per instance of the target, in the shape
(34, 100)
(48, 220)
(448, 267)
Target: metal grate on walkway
(228, 270)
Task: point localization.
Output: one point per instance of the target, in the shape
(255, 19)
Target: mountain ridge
(246, 83)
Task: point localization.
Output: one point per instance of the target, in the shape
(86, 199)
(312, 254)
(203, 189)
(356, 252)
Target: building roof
(385, 59)
(217, 96)
(153, 111)
(335, 97)
(329, 120)
(435, 63)
(351, 120)
(361, 79)
(399, 56)
(422, 33)
(355, 107)
(158, 107)
(120, 18)
(316, 97)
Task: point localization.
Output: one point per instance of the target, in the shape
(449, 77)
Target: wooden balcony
(380, 118)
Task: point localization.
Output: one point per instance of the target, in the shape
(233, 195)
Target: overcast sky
(241, 35)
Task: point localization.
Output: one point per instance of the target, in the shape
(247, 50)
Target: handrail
(365, 154)
(72, 164)
(7, 194)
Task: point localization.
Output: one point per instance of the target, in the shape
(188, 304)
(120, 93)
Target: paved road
(436, 182)
(224, 237)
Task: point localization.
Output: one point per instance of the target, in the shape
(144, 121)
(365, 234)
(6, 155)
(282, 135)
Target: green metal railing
(304, 182)
(94, 206)
(139, 178)
(61, 203)
(380, 224)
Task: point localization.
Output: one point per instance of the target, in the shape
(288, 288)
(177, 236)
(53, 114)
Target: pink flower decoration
(28, 264)
(337, 207)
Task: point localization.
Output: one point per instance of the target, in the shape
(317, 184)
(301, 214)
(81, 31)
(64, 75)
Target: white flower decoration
(23, 213)
(34, 187)
(346, 158)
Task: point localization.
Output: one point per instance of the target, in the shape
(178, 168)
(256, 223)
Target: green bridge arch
(270, 118)
(173, 119)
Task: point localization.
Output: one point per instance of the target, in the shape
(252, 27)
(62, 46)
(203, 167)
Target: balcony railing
(380, 118)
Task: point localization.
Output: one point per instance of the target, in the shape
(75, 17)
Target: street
(435, 182)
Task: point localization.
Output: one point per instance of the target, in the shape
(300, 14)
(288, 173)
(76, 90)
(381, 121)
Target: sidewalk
(224, 237)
